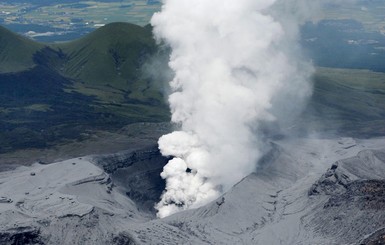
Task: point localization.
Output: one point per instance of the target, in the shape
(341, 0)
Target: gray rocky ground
(305, 191)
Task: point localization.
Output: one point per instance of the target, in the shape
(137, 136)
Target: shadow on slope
(60, 91)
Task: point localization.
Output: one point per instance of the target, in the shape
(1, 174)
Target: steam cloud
(237, 65)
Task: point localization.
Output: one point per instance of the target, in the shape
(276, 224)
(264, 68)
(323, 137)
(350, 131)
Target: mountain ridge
(16, 51)
(102, 82)
(89, 83)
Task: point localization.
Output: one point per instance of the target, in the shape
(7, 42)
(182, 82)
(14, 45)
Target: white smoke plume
(236, 65)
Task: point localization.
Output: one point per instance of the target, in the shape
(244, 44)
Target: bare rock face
(376, 238)
(331, 183)
(137, 174)
(363, 194)
(113, 162)
(355, 205)
(123, 238)
(21, 235)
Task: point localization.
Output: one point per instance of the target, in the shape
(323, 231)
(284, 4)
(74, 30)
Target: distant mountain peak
(16, 51)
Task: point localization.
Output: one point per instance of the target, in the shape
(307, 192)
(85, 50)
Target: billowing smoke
(237, 66)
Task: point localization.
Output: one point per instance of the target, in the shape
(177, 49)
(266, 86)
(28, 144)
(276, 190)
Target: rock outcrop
(21, 235)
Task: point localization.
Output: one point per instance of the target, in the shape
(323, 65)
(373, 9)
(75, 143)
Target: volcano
(306, 191)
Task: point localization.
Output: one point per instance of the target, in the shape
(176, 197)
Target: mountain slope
(107, 64)
(98, 81)
(16, 52)
(347, 102)
(298, 196)
(111, 53)
(60, 91)
(306, 191)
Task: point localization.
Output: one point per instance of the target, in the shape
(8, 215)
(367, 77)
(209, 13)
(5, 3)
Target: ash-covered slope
(75, 201)
(290, 200)
(306, 191)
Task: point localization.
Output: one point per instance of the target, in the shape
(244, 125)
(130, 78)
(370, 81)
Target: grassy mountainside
(107, 64)
(63, 91)
(60, 91)
(111, 53)
(347, 102)
(16, 51)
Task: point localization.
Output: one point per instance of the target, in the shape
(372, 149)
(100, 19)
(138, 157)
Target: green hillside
(50, 94)
(111, 53)
(347, 102)
(16, 52)
(107, 64)
(59, 91)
